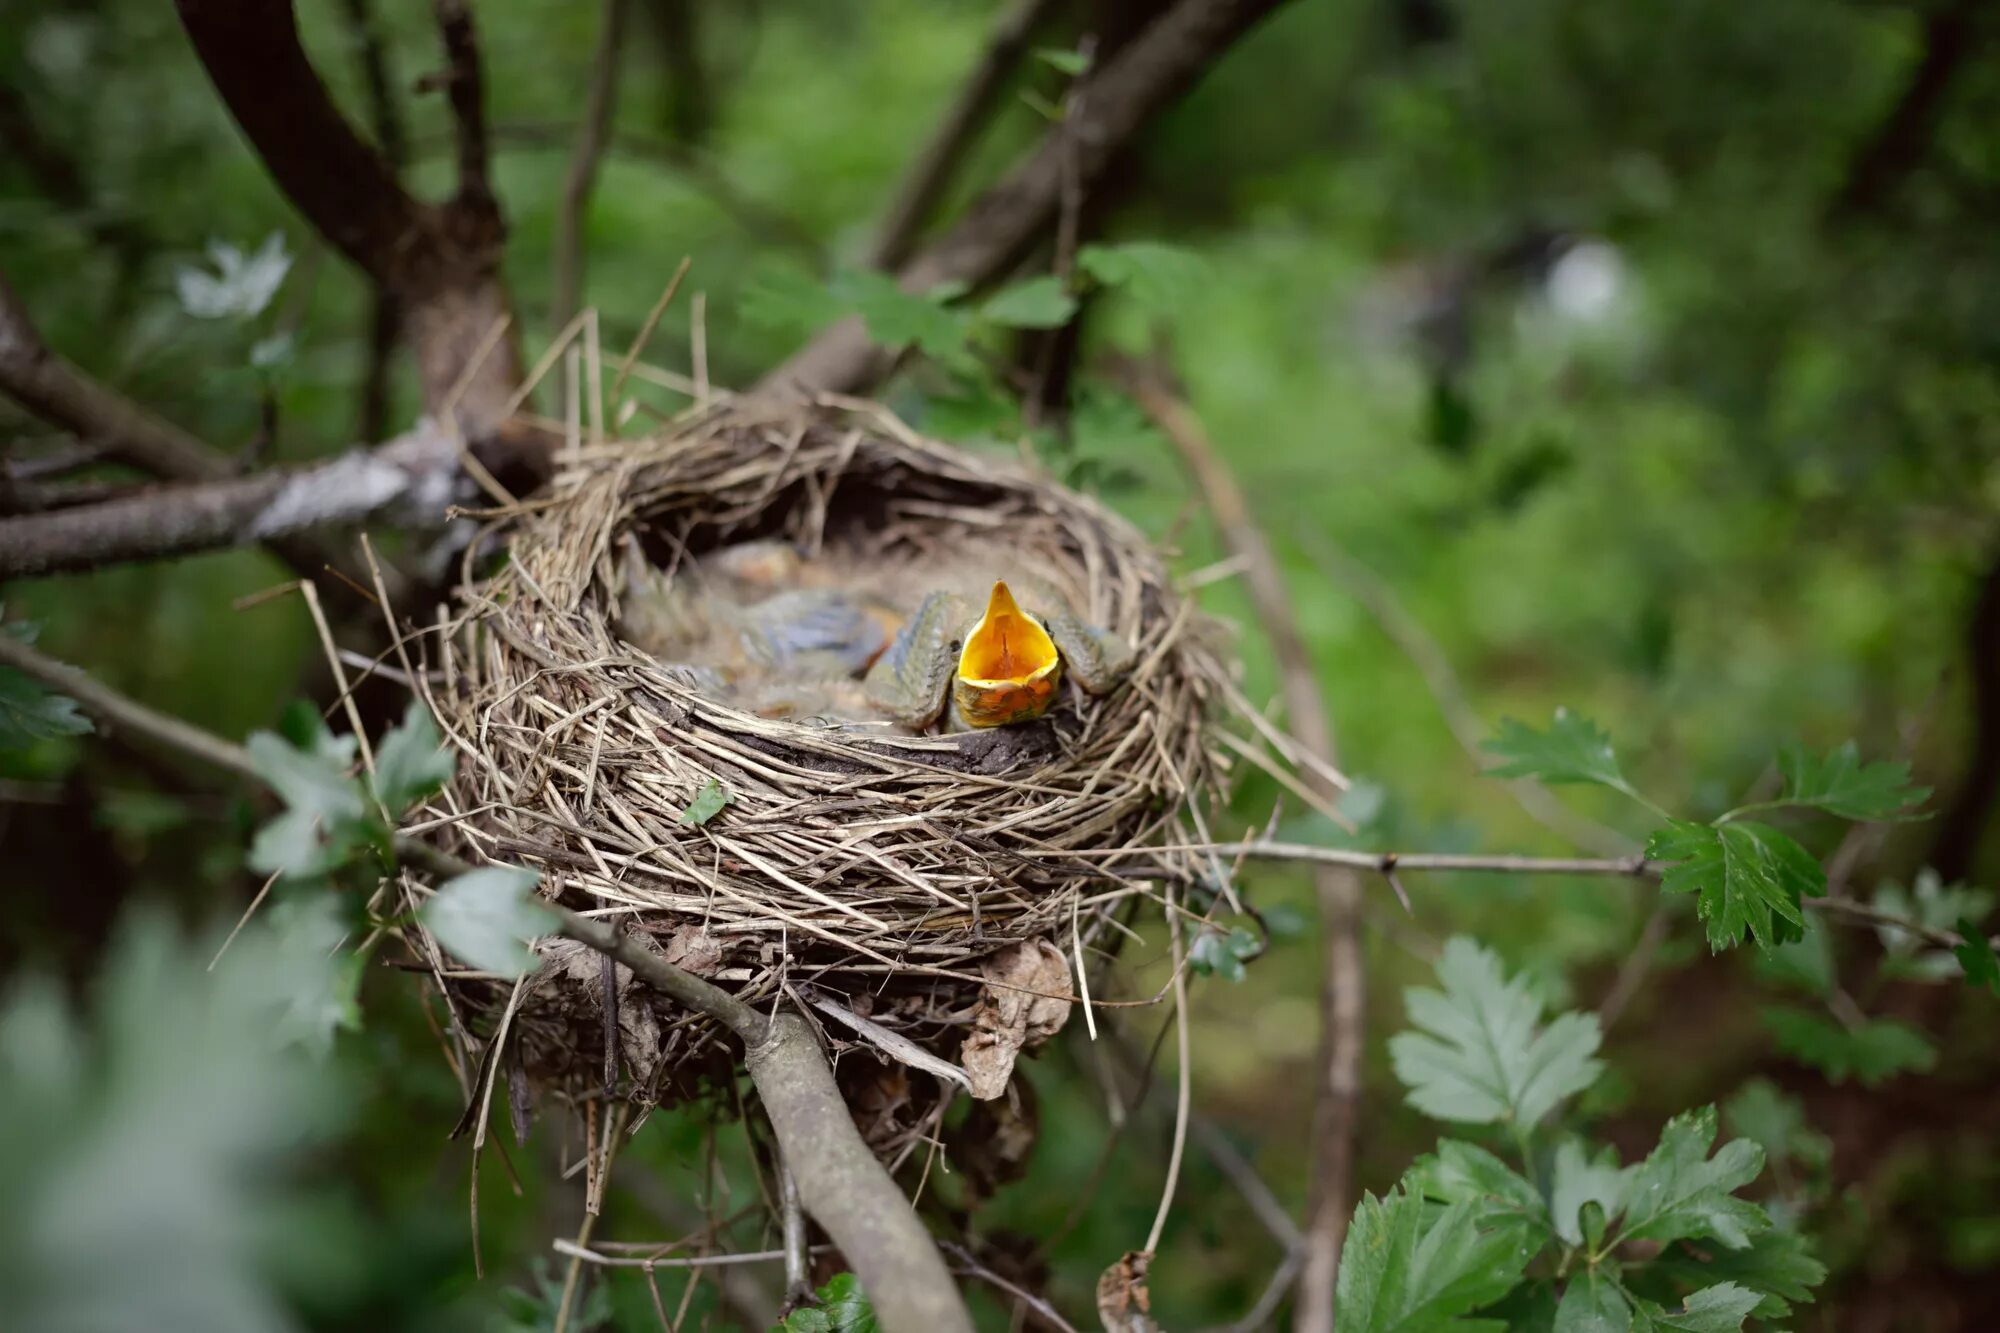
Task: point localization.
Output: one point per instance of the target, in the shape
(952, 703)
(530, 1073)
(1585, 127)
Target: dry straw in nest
(934, 895)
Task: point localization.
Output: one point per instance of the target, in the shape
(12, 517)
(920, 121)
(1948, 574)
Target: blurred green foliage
(1606, 346)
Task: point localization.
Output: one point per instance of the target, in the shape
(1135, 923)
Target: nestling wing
(1095, 658)
(912, 678)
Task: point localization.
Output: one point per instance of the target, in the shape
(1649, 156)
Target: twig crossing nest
(937, 889)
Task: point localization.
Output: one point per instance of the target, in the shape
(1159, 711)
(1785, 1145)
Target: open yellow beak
(1008, 668)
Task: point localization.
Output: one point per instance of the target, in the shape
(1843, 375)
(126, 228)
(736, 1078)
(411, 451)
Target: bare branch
(1951, 42)
(386, 118)
(582, 175)
(413, 476)
(930, 175)
(58, 392)
(1344, 994)
(1155, 68)
(465, 87)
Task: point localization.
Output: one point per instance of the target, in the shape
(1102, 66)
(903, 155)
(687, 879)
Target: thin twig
(1185, 1101)
(601, 100)
(798, 1273)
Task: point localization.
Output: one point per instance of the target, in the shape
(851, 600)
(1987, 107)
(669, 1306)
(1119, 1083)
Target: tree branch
(1344, 992)
(930, 175)
(465, 88)
(582, 174)
(1148, 74)
(1897, 147)
(840, 1180)
(413, 476)
(384, 316)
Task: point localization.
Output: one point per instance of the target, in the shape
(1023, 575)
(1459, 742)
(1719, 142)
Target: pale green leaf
(1776, 1121)
(1718, 1309)
(1747, 878)
(1411, 1267)
(1573, 749)
(1582, 1177)
(486, 919)
(1463, 1172)
(1592, 1303)
(1151, 273)
(1482, 1055)
(707, 803)
(410, 762)
(30, 713)
(1873, 1053)
(1680, 1191)
(1839, 783)
(1038, 303)
(1071, 63)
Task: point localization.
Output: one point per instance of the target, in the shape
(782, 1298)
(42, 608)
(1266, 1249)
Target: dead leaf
(692, 949)
(992, 1147)
(1010, 1017)
(1124, 1305)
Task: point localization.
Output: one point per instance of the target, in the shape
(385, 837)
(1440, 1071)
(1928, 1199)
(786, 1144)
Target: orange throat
(1008, 668)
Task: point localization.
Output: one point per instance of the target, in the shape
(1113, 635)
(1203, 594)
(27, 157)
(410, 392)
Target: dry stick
(840, 1181)
(1148, 73)
(918, 193)
(583, 163)
(1186, 1083)
(1336, 1110)
(646, 330)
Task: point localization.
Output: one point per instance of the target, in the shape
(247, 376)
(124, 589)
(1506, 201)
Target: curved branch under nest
(937, 888)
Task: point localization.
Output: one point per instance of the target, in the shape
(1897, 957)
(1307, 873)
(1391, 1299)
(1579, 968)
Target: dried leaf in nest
(1029, 1005)
(571, 982)
(1124, 1305)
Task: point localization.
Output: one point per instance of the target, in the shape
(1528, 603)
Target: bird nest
(929, 895)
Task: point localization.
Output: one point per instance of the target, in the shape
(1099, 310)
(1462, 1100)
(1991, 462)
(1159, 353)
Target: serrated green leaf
(1839, 783)
(1071, 63)
(1038, 303)
(896, 318)
(1778, 1265)
(707, 803)
(30, 713)
(1747, 877)
(322, 985)
(1806, 963)
(487, 917)
(1929, 901)
(1461, 1172)
(1151, 273)
(1718, 1309)
(1776, 1122)
(843, 1308)
(1482, 1055)
(1680, 1191)
(1573, 749)
(1873, 1053)
(1975, 955)
(410, 762)
(782, 295)
(1411, 1267)
(1582, 1177)
(1592, 1303)
(325, 817)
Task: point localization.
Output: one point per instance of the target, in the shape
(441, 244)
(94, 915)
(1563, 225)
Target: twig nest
(771, 832)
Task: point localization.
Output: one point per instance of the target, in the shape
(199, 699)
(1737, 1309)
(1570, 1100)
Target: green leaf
(1071, 63)
(1680, 1191)
(30, 713)
(707, 803)
(1592, 1303)
(1746, 877)
(487, 917)
(1153, 274)
(781, 295)
(843, 1308)
(326, 815)
(1778, 1265)
(410, 763)
(1580, 1178)
(1718, 1309)
(322, 985)
(1873, 1053)
(1976, 956)
(1223, 954)
(1805, 963)
(1412, 1267)
(1482, 1055)
(241, 285)
(1573, 749)
(1463, 1172)
(1038, 303)
(1777, 1122)
(1840, 784)
(897, 318)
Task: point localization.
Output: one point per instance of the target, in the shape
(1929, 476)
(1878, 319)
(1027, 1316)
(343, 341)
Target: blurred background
(1640, 359)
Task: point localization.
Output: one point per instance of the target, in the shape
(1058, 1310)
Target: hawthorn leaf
(1151, 273)
(486, 918)
(1976, 956)
(1573, 749)
(1873, 1053)
(1224, 954)
(1680, 1191)
(1839, 783)
(1580, 1178)
(843, 1308)
(1038, 303)
(325, 813)
(1411, 1267)
(1776, 1121)
(1778, 1265)
(1718, 1309)
(411, 762)
(1481, 1055)
(1461, 1172)
(321, 985)
(782, 295)
(30, 712)
(1592, 1303)
(1746, 878)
